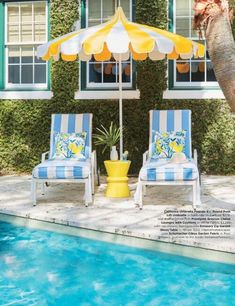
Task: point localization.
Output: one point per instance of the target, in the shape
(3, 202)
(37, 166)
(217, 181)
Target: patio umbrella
(120, 38)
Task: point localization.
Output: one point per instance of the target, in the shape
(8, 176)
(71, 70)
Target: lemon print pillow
(167, 143)
(70, 146)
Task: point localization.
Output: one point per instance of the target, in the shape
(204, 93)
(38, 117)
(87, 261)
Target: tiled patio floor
(63, 204)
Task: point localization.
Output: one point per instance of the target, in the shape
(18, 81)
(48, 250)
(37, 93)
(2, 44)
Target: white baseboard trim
(193, 94)
(106, 95)
(26, 95)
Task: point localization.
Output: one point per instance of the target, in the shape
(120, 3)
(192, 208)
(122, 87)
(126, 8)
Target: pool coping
(122, 237)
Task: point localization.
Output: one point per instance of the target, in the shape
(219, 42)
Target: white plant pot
(114, 153)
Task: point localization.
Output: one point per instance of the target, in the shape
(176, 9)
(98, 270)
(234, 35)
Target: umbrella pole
(120, 106)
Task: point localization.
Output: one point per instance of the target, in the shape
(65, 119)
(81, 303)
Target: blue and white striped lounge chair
(67, 170)
(161, 171)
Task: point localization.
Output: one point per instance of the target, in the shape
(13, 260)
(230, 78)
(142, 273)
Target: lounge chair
(74, 165)
(160, 169)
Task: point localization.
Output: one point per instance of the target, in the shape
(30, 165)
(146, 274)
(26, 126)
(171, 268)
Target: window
(25, 29)
(104, 74)
(193, 73)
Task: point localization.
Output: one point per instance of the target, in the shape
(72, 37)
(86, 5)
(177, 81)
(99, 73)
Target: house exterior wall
(25, 124)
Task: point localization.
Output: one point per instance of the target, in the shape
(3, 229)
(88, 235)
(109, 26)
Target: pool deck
(63, 204)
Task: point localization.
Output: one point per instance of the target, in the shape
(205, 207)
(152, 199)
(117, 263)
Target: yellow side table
(117, 178)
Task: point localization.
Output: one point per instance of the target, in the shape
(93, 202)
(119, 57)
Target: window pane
(27, 55)
(94, 17)
(182, 7)
(26, 13)
(95, 73)
(40, 74)
(210, 72)
(13, 33)
(13, 55)
(198, 71)
(126, 68)
(40, 12)
(108, 9)
(26, 23)
(126, 7)
(39, 32)
(13, 74)
(26, 32)
(182, 71)
(195, 33)
(125, 72)
(109, 72)
(182, 26)
(13, 13)
(27, 74)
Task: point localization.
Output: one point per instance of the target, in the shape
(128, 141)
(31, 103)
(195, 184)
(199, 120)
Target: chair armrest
(195, 156)
(145, 157)
(44, 156)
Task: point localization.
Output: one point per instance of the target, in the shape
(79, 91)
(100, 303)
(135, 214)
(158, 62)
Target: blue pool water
(45, 268)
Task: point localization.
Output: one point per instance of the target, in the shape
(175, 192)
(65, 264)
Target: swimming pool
(44, 268)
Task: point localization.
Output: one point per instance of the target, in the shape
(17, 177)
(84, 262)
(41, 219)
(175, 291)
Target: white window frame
(19, 44)
(102, 85)
(190, 84)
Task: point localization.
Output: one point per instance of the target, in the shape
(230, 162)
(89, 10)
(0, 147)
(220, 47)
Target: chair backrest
(168, 121)
(71, 123)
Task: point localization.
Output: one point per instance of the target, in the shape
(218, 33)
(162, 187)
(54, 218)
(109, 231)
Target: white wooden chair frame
(141, 185)
(89, 181)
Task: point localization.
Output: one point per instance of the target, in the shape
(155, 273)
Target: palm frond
(107, 137)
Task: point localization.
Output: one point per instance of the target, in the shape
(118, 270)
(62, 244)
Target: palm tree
(214, 18)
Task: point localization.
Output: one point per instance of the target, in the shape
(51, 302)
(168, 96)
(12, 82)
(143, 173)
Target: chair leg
(144, 190)
(141, 194)
(198, 191)
(194, 194)
(34, 192)
(93, 182)
(88, 190)
(138, 196)
(43, 188)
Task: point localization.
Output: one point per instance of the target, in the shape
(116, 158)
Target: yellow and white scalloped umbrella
(120, 38)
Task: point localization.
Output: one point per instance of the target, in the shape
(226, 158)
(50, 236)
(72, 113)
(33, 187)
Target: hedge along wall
(25, 124)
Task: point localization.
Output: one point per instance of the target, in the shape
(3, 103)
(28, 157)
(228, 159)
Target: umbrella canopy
(119, 38)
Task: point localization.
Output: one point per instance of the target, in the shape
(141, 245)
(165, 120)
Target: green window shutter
(2, 27)
(170, 28)
(49, 35)
(83, 14)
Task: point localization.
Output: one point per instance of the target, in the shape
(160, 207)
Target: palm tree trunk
(221, 48)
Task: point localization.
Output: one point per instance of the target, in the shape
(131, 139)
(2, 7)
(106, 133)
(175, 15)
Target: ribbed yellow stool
(117, 178)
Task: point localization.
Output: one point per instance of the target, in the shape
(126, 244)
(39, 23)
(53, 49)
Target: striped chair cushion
(163, 170)
(62, 169)
(169, 121)
(71, 123)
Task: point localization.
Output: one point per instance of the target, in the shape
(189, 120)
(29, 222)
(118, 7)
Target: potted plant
(108, 138)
